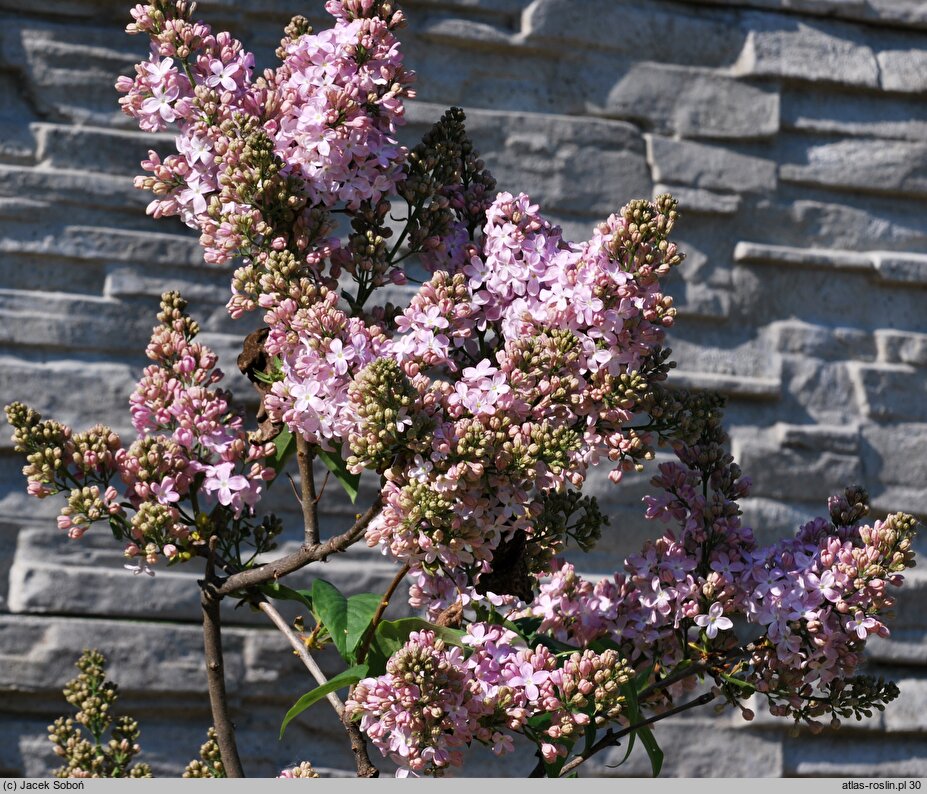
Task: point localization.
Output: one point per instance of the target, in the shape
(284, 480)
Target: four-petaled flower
(529, 678)
(714, 621)
(861, 626)
(220, 478)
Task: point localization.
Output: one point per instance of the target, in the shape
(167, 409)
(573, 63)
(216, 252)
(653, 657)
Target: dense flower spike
(260, 160)
(191, 447)
(79, 740)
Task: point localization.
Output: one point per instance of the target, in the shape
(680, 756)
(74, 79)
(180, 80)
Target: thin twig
(377, 616)
(215, 670)
(694, 669)
(365, 767)
(301, 650)
(322, 487)
(301, 557)
(362, 762)
(679, 675)
(613, 737)
(308, 499)
(295, 489)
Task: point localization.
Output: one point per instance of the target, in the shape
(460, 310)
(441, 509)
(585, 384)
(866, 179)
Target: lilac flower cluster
(435, 700)
(815, 599)
(321, 349)
(533, 342)
(519, 363)
(523, 361)
(191, 446)
(260, 159)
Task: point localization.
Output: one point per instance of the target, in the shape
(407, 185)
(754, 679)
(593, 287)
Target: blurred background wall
(793, 132)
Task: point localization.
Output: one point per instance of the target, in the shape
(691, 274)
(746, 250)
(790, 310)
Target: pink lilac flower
(220, 479)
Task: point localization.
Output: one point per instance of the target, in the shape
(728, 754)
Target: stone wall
(793, 133)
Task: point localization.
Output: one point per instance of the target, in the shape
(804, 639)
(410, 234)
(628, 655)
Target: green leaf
(285, 446)
(540, 722)
(626, 754)
(653, 750)
(739, 683)
(554, 645)
(640, 682)
(590, 735)
(526, 627)
(361, 609)
(391, 635)
(339, 468)
(647, 738)
(331, 608)
(275, 374)
(283, 593)
(347, 678)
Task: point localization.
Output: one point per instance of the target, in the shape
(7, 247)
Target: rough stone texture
(792, 132)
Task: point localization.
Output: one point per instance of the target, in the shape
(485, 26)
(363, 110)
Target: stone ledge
(96, 149)
(890, 267)
(888, 391)
(684, 101)
(903, 13)
(794, 337)
(105, 244)
(699, 165)
(628, 27)
(91, 582)
(70, 186)
(845, 755)
(897, 347)
(739, 386)
(785, 48)
(861, 165)
(476, 35)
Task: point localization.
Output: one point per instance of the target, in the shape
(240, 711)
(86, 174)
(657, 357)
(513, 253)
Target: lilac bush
(521, 362)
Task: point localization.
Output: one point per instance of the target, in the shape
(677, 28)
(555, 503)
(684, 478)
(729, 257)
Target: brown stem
(362, 762)
(712, 668)
(215, 671)
(378, 615)
(306, 554)
(613, 737)
(679, 675)
(308, 499)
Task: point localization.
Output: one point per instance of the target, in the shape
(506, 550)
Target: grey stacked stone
(793, 133)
